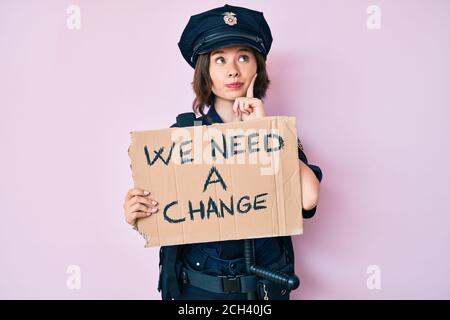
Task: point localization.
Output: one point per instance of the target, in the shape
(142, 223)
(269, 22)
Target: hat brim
(228, 43)
(225, 43)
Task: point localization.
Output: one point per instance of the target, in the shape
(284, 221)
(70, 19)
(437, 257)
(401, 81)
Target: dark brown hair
(202, 83)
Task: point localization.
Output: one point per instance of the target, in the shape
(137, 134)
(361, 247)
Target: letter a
(219, 179)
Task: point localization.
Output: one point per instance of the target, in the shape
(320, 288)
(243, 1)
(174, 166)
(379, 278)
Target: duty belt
(219, 284)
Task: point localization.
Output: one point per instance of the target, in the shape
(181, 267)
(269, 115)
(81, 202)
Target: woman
(227, 47)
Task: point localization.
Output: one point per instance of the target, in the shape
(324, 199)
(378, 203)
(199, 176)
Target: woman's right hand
(138, 204)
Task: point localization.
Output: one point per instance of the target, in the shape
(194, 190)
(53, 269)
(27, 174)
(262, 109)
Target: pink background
(372, 108)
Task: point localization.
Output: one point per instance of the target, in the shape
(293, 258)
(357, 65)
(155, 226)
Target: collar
(212, 113)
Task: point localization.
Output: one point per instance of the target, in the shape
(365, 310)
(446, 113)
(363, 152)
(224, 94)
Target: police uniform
(202, 270)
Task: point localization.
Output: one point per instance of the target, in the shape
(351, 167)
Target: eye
(244, 56)
(220, 58)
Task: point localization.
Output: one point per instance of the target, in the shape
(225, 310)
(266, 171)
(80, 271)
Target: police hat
(224, 27)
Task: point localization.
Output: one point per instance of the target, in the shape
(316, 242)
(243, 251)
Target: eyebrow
(221, 51)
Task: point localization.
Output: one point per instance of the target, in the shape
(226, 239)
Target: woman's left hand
(248, 107)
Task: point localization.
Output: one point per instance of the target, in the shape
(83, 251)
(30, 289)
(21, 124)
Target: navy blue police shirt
(233, 249)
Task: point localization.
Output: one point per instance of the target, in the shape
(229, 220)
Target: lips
(234, 85)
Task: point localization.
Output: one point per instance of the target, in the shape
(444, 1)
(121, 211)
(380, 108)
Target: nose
(233, 73)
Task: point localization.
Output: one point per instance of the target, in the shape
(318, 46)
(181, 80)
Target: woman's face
(230, 65)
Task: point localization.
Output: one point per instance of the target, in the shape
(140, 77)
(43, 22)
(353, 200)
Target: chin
(235, 94)
(227, 96)
(230, 95)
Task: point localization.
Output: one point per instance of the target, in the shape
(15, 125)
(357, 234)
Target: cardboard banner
(225, 181)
